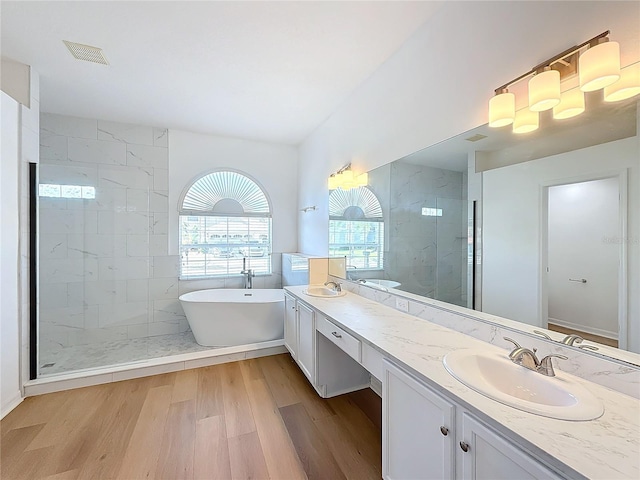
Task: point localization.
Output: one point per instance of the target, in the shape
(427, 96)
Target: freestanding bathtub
(227, 317)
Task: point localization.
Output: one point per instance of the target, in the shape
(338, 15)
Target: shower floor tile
(81, 357)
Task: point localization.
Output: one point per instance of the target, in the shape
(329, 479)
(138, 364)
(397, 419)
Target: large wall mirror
(542, 228)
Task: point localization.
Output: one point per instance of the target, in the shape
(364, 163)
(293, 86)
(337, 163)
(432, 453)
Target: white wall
(438, 85)
(15, 81)
(274, 167)
(512, 227)
(9, 255)
(584, 223)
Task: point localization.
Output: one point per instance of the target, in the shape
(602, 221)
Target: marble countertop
(605, 448)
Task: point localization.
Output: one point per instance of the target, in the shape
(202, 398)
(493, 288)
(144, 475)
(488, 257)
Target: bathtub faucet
(248, 274)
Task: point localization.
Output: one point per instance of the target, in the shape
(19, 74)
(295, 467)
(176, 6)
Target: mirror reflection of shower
(407, 230)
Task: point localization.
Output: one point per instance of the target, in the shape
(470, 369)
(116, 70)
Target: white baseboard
(592, 330)
(11, 404)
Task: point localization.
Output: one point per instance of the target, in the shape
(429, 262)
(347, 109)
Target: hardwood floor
(254, 419)
(587, 336)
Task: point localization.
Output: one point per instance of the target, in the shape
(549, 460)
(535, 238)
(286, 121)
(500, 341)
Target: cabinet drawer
(348, 343)
(372, 361)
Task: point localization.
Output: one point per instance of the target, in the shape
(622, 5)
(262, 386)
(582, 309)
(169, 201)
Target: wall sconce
(347, 179)
(598, 67)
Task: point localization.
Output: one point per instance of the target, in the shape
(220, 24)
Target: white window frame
(232, 196)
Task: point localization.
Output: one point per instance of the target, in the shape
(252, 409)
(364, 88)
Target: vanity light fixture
(596, 61)
(347, 179)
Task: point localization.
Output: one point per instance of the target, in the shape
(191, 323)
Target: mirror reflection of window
(356, 228)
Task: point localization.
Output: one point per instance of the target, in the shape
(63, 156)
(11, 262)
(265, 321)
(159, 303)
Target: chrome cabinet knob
(444, 431)
(464, 446)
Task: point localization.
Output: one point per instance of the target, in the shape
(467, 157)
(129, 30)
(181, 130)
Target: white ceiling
(271, 71)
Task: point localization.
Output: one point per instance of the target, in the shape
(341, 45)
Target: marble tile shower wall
(430, 251)
(105, 272)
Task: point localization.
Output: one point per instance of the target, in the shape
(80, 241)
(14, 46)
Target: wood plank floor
(255, 419)
(611, 342)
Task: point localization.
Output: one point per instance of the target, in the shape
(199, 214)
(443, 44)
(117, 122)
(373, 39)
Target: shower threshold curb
(154, 366)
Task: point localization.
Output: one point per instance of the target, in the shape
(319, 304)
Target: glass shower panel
(451, 229)
(94, 265)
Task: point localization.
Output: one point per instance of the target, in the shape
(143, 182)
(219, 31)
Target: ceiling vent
(86, 52)
(475, 138)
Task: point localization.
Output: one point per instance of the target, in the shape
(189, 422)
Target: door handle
(580, 280)
(335, 334)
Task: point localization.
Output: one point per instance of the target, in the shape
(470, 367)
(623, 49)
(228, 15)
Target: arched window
(356, 228)
(225, 217)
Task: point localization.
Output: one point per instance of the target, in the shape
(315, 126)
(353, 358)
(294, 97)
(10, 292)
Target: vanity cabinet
(491, 456)
(420, 439)
(290, 325)
(418, 429)
(306, 341)
(338, 360)
(329, 365)
(299, 335)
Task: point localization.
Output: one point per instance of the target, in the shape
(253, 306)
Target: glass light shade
(627, 87)
(333, 182)
(526, 121)
(571, 104)
(347, 182)
(502, 109)
(544, 91)
(599, 66)
(338, 180)
(362, 180)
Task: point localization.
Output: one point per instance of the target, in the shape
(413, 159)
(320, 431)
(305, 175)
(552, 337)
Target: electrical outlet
(402, 304)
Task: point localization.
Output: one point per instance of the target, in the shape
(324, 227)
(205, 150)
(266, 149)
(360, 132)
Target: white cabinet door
(306, 341)
(417, 429)
(290, 325)
(490, 456)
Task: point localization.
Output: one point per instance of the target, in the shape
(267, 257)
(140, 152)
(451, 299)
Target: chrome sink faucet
(336, 286)
(574, 340)
(528, 359)
(248, 274)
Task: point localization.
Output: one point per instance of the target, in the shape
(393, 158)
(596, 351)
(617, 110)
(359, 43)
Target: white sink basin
(323, 292)
(497, 377)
